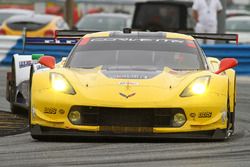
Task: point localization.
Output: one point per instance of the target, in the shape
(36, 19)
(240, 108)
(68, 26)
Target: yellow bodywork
(36, 33)
(93, 88)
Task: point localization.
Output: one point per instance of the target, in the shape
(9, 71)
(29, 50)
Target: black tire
(29, 107)
(38, 137)
(14, 109)
(231, 115)
(231, 122)
(42, 138)
(49, 138)
(17, 110)
(231, 119)
(36, 134)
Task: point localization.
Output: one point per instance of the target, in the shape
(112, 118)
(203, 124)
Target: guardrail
(16, 47)
(240, 52)
(10, 45)
(6, 44)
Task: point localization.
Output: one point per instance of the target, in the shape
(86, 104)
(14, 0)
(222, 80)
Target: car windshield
(102, 23)
(238, 25)
(177, 54)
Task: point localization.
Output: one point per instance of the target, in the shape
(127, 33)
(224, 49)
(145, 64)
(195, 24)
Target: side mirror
(226, 63)
(48, 61)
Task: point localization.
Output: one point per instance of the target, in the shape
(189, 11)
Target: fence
(12, 45)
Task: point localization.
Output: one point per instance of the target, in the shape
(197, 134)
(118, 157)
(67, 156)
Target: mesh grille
(126, 117)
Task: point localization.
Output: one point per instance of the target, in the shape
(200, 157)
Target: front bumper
(41, 131)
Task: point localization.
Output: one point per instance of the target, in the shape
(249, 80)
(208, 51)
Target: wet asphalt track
(22, 150)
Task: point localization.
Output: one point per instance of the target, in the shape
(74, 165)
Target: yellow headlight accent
(196, 87)
(199, 88)
(59, 85)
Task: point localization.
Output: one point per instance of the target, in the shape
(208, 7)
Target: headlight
(197, 87)
(60, 84)
(179, 119)
(75, 117)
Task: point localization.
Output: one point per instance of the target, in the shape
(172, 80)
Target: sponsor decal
(128, 84)
(205, 115)
(127, 96)
(23, 64)
(136, 40)
(130, 76)
(50, 110)
(38, 66)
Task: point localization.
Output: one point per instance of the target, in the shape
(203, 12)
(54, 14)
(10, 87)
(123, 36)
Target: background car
(37, 25)
(104, 22)
(7, 13)
(231, 13)
(239, 25)
(163, 16)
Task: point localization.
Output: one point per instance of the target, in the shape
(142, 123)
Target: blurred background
(43, 17)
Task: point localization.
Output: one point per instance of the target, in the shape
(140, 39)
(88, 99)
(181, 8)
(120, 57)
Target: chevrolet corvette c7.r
(134, 84)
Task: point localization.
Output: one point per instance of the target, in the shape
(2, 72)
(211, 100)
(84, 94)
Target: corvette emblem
(127, 96)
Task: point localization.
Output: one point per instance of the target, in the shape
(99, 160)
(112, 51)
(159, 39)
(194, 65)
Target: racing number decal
(50, 110)
(205, 115)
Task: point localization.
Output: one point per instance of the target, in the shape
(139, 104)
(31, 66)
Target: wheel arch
(232, 89)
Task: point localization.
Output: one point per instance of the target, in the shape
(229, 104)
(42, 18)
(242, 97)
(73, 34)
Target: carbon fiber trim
(39, 131)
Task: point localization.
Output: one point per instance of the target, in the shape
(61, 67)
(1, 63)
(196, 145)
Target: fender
(232, 89)
(214, 66)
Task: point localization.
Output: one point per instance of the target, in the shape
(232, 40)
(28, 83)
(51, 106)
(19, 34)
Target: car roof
(37, 18)
(139, 34)
(229, 11)
(116, 15)
(239, 18)
(184, 2)
(16, 11)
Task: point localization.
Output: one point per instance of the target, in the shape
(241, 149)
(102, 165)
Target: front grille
(126, 117)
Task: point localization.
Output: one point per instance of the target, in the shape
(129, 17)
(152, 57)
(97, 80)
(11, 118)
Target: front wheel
(15, 109)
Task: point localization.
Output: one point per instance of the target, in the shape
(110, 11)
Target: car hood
(157, 77)
(112, 86)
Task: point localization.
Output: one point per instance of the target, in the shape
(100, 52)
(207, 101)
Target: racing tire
(17, 110)
(227, 133)
(231, 115)
(38, 137)
(30, 84)
(14, 108)
(230, 122)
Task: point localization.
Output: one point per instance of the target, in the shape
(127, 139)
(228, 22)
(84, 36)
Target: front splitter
(218, 134)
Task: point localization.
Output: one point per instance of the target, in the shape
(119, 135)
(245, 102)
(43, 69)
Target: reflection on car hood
(156, 77)
(128, 72)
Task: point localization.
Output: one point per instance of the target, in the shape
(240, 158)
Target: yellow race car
(36, 25)
(134, 84)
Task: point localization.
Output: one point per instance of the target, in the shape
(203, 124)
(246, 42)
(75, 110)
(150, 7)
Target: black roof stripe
(139, 34)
